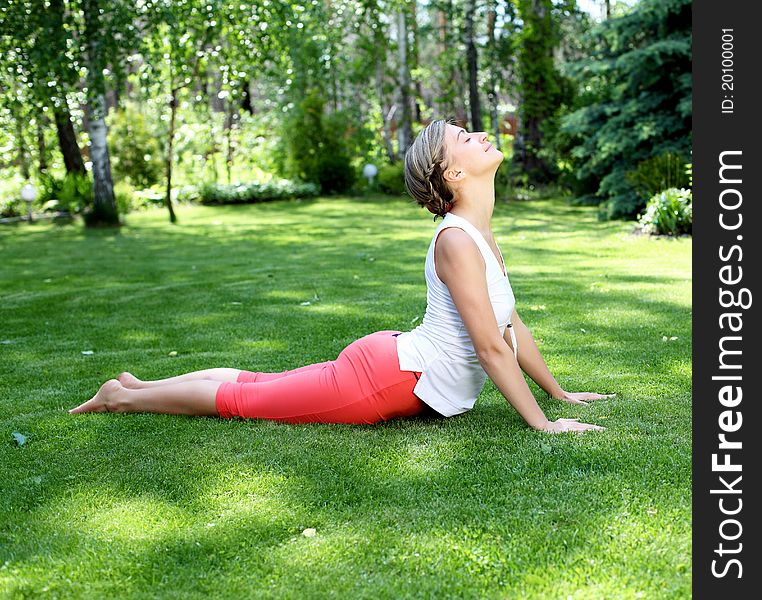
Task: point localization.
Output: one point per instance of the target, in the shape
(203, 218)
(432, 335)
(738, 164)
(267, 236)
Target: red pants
(363, 385)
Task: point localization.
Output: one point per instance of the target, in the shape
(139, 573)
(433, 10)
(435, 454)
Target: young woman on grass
(438, 368)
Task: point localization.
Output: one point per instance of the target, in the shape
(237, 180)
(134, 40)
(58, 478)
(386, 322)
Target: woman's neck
(475, 203)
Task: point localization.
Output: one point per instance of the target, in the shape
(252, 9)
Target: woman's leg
(128, 380)
(184, 398)
(363, 385)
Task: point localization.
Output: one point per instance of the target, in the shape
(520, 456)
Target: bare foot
(128, 380)
(103, 401)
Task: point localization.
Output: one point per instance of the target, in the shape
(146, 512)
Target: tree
(635, 100)
(104, 210)
(177, 38)
(541, 93)
(404, 121)
(472, 60)
(45, 71)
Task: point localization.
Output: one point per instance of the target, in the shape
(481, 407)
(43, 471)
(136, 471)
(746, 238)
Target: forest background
(108, 107)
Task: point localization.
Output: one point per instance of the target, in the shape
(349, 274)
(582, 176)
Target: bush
(72, 193)
(11, 207)
(135, 153)
(215, 193)
(334, 173)
(657, 173)
(391, 178)
(316, 151)
(669, 213)
(126, 201)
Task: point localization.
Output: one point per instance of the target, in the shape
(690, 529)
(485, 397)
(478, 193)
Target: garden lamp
(28, 194)
(369, 171)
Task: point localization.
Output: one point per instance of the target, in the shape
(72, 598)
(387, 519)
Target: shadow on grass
(466, 506)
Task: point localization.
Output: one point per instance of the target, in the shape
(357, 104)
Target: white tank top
(440, 348)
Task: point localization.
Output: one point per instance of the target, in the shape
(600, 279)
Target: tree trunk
(170, 155)
(67, 141)
(492, 94)
(246, 97)
(380, 55)
(104, 210)
(458, 102)
(42, 149)
(229, 139)
(403, 127)
(414, 48)
(445, 106)
(473, 68)
(23, 158)
(104, 204)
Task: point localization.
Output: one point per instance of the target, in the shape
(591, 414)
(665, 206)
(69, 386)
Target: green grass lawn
(476, 506)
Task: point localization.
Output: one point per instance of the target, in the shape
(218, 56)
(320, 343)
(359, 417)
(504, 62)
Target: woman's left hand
(580, 397)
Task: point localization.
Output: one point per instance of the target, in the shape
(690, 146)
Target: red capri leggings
(363, 385)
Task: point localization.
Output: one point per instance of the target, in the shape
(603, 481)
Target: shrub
(72, 193)
(315, 147)
(334, 173)
(135, 153)
(668, 213)
(627, 192)
(215, 193)
(124, 194)
(391, 178)
(657, 173)
(11, 207)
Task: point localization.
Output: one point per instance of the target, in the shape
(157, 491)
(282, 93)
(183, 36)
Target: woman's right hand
(562, 425)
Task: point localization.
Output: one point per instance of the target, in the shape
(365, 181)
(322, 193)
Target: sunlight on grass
(475, 506)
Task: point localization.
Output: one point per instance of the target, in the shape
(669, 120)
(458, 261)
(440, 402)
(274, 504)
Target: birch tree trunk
(104, 210)
(104, 204)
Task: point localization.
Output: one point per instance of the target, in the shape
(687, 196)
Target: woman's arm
(530, 359)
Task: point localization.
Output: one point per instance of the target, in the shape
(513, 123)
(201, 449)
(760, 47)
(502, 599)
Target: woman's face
(470, 153)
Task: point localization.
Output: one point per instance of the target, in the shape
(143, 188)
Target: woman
(439, 367)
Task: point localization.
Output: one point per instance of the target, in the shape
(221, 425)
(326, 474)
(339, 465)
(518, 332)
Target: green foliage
(11, 207)
(71, 193)
(316, 152)
(335, 171)
(303, 134)
(657, 173)
(669, 212)
(634, 101)
(542, 89)
(335, 174)
(504, 184)
(391, 178)
(214, 193)
(124, 195)
(134, 148)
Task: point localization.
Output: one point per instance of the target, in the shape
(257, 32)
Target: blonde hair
(424, 169)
